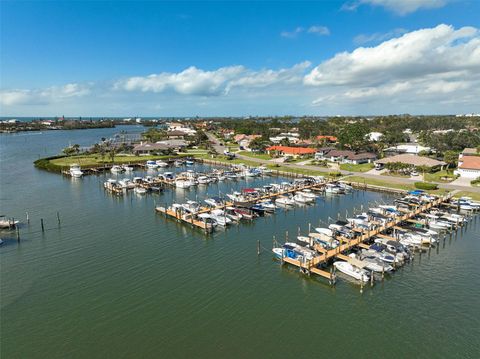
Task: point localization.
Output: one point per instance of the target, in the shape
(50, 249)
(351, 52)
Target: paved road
(400, 180)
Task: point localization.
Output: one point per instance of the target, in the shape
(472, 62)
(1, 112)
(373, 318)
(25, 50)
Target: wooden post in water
(28, 219)
(58, 218)
(41, 222)
(18, 234)
(371, 278)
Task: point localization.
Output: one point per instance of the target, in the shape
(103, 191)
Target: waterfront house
(294, 152)
(412, 160)
(468, 164)
(326, 139)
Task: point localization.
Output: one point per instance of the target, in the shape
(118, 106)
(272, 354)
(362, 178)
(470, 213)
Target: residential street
(448, 186)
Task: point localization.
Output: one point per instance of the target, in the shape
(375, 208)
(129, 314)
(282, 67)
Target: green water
(115, 280)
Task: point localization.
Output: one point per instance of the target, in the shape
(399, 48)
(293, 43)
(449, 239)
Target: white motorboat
(7, 222)
(140, 190)
(127, 168)
(326, 231)
(333, 189)
(302, 199)
(151, 165)
(352, 271)
(268, 205)
(203, 180)
(161, 163)
(308, 194)
(221, 217)
(214, 201)
(180, 183)
(116, 169)
(75, 170)
(191, 206)
(285, 201)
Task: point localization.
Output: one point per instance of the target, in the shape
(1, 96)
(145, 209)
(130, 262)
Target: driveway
(462, 181)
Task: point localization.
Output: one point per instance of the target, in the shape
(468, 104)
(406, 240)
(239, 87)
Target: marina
(58, 276)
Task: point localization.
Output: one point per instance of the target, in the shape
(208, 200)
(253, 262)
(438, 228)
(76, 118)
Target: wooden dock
(311, 266)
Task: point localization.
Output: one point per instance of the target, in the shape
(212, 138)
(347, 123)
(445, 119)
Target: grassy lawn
(364, 167)
(474, 195)
(379, 182)
(260, 156)
(386, 183)
(437, 176)
(95, 160)
(302, 171)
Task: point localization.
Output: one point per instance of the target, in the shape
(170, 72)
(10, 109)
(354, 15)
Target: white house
(469, 167)
(374, 136)
(409, 148)
(468, 164)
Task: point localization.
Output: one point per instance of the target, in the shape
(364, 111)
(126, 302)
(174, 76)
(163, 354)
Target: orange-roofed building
(291, 151)
(469, 167)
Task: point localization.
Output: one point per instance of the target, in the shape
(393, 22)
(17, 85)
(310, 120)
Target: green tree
(353, 136)
(451, 158)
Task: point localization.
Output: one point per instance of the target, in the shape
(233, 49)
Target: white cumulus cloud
(42, 96)
(194, 81)
(401, 7)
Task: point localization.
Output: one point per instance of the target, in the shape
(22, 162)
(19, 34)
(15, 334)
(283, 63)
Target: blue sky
(239, 58)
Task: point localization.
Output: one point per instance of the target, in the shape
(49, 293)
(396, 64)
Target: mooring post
(41, 222)
(18, 234)
(28, 219)
(58, 218)
(371, 278)
(361, 285)
(258, 247)
(383, 270)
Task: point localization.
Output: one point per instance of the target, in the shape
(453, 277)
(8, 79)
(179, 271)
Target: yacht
(140, 190)
(75, 170)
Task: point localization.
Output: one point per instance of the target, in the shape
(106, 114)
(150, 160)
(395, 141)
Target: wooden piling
(41, 222)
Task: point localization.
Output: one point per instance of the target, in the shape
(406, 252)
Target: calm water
(116, 280)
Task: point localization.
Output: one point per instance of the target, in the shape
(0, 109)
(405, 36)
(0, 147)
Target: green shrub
(334, 174)
(475, 182)
(426, 185)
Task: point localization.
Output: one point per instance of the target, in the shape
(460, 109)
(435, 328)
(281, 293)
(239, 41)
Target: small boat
(308, 194)
(191, 206)
(214, 201)
(203, 180)
(352, 271)
(178, 163)
(117, 169)
(245, 213)
(189, 162)
(221, 217)
(127, 168)
(269, 206)
(152, 165)
(7, 222)
(285, 201)
(258, 208)
(140, 190)
(161, 163)
(75, 171)
(302, 199)
(230, 213)
(179, 183)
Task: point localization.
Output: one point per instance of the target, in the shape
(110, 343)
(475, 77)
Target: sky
(159, 58)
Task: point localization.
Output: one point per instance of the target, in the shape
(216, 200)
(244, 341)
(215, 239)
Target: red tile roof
(470, 162)
(292, 150)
